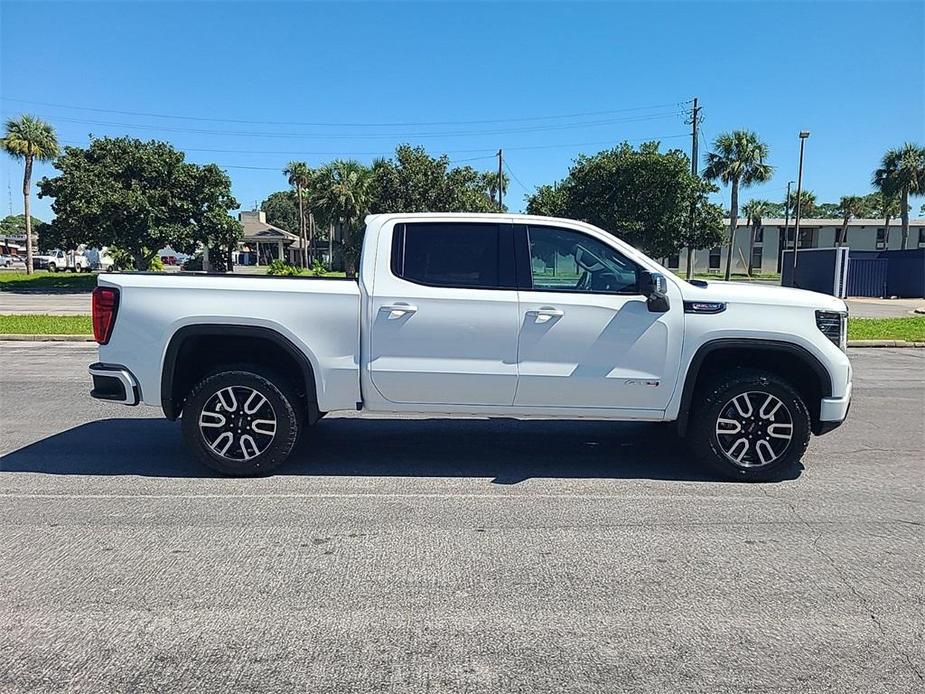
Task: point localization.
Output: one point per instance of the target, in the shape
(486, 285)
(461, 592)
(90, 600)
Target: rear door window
(454, 254)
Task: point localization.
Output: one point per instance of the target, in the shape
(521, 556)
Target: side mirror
(654, 287)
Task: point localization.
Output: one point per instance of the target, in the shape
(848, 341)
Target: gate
(867, 276)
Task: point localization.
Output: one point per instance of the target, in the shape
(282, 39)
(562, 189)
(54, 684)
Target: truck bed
(325, 311)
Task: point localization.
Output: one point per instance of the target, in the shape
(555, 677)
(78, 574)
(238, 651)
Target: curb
(884, 343)
(46, 338)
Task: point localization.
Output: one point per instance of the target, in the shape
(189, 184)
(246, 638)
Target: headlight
(834, 325)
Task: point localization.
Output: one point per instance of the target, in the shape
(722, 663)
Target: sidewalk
(864, 307)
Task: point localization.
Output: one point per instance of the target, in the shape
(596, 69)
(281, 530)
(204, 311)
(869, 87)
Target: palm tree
(807, 203)
(849, 206)
(886, 206)
(738, 159)
(901, 174)
(30, 139)
(342, 194)
(300, 175)
(754, 210)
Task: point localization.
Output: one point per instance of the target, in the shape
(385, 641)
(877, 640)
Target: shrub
(318, 268)
(283, 269)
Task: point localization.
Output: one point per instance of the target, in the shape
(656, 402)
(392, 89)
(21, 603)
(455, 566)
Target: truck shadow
(507, 451)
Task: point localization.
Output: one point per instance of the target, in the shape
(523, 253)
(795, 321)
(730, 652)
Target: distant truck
(59, 261)
(493, 315)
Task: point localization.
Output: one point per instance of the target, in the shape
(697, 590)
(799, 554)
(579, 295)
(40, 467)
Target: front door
(587, 338)
(445, 316)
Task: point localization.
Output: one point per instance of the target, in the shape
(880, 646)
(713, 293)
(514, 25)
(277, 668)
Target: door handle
(398, 310)
(545, 313)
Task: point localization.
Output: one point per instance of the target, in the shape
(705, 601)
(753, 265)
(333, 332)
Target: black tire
(52, 267)
(267, 451)
(719, 426)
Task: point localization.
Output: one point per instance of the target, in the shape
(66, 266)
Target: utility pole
(695, 118)
(796, 223)
(500, 181)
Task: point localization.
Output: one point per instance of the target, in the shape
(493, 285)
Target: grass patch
(911, 329)
(34, 324)
(43, 280)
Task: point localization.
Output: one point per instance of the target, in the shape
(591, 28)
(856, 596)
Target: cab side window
(454, 254)
(563, 260)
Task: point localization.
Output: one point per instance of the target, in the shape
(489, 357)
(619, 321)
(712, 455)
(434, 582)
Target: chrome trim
(129, 384)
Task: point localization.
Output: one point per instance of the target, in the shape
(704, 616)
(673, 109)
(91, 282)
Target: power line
(410, 135)
(514, 176)
(350, 125)
(383, 153)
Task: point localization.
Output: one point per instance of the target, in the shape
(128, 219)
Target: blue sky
(851, 72)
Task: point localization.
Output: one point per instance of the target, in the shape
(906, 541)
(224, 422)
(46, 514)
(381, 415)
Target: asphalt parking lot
(452, 554)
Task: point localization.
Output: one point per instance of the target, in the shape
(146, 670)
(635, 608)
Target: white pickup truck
(492, 315)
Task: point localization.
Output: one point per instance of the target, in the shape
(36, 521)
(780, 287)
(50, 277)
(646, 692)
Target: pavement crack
(862, 601)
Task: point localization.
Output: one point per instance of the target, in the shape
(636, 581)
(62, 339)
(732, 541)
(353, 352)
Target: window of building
(921, 237)
(716, 254)
(759, 235)
(564, 260)
(807, 238)
(881, 239)
(453, 254)
(674, 261)
(757, 254)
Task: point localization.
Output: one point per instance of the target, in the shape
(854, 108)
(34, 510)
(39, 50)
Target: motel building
(863, 235)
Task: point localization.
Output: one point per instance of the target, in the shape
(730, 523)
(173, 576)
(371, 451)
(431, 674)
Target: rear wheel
(751, 426)
(242, 422)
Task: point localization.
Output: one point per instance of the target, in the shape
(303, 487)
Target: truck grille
(833, 325)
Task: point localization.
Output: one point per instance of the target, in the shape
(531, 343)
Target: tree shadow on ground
(505, 450)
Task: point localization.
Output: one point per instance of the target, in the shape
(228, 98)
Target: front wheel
(242, 422)
(751, 426)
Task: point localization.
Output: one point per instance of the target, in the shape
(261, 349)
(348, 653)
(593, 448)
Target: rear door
(445, 315)
(587, 338)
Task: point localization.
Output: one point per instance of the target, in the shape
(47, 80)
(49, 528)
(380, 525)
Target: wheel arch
(194, 350)
(803, 369)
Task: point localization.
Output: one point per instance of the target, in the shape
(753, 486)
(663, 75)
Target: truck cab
(497, 315)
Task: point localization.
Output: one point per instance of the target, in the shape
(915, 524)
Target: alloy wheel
(754, 429)
(238, 423)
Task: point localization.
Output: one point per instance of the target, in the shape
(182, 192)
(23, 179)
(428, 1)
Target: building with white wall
(863, 235)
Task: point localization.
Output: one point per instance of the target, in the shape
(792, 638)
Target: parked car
(497, 315)
(8, 260)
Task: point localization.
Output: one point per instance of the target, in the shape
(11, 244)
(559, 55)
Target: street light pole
(783, 246)
(796, 223)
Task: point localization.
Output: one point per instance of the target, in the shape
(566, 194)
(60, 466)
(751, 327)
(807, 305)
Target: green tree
(850, 206)
(548, 201)
(706, 229)
(901, 174)
(29, 139)
(140, 197)
(282, 210)
(300, 177)
(808, 204)
(341, 191)
(885, 206)
(15, 225)
(738, 160)
(414, 181)
(754, 211)
(642, 195)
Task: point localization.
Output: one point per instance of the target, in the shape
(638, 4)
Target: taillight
(105, 305)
